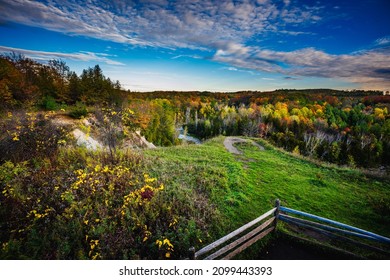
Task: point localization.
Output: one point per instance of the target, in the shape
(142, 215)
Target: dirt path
(63, 120)
(230, 141)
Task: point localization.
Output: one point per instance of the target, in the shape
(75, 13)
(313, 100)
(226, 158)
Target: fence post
(192, 253)
(277, 205)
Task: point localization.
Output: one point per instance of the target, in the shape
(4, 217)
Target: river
(187, 137)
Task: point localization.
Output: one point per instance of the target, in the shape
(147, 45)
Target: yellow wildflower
(61, 142)
(166, 241)
(159, 243)
(16, 137)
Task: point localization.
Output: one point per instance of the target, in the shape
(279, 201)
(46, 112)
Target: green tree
(60, 76)
(74, 88)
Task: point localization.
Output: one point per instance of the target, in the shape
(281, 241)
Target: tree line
(333, 126)
(25, 82)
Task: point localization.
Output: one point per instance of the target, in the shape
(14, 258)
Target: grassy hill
(244, 186)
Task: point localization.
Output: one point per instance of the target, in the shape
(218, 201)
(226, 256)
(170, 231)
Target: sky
(208, 45)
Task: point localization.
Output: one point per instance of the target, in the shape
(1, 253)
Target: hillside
(244, 186)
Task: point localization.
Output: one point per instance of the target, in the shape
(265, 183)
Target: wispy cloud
(369, 68)
(81, 56)
(268, 79)
(230, 68)
(181, 24)
(383, 41)
(187, 56)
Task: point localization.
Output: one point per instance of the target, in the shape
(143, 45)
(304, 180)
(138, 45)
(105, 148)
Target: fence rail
(243, 242)
(245, 236)
(349, 230)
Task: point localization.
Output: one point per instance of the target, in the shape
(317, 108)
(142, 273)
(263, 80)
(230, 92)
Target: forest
(345, 128)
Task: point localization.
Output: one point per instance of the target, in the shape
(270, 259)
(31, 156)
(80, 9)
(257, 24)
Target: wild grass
(245, 186)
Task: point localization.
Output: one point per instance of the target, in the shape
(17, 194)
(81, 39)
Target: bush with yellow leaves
(26, 135)
(80, 205)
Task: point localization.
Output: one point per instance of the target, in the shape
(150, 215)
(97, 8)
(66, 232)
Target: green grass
(245, 186)
(203, 172)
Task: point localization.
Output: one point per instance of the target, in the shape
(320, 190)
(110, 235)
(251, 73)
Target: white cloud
(295, 33)
(369, 68)
(383, 41)
(230, 68)
(187, 55)
(185, 23)
(81, 56)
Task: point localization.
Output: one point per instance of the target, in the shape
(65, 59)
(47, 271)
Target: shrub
(79, 111)
(83, 206)
(29, 135)
(49, 103)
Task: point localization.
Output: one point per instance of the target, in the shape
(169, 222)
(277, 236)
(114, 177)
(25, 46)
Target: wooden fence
(334, 230)
(243, 237)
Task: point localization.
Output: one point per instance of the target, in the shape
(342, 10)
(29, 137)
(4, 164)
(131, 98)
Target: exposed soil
(63, 120)
(134, 141)
(86, 140)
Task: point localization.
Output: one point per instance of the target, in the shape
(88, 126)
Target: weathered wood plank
(249, 243)
(331, 222)
(310, 224)
(222, 240)
(355, 242)
(329, 231)
(240, 240)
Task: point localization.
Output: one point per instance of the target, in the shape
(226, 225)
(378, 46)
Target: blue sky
(209, 45)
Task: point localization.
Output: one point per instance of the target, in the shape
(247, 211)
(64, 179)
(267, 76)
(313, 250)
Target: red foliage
(147, 194)
(376, 99)
(332, 100)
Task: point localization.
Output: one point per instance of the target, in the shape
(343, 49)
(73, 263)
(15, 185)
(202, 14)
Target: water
(187, 137)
